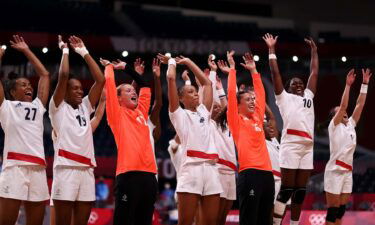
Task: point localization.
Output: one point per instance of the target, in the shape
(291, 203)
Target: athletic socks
(277, 221)
(294, 222)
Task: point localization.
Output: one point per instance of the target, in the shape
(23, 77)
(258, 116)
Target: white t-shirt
(298, 114)
(273, 147)
(175, 157)
(225, 147)
(22, 123)
(342, 143)
(193, 129)
(73, 144)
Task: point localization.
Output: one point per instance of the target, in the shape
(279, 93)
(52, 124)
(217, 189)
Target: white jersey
(193, 129)
(175, 157)
(73, 143)
(298, 117)
(22, 123)
(225, 147)
(273, 147)
(342, 143)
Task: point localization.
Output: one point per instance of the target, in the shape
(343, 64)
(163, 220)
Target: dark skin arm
(59, 93)
(314, 66)
(158, 102)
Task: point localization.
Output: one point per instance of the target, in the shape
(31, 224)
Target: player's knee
(284, 194)
(298, 195)
(341, 211)
(332, 214)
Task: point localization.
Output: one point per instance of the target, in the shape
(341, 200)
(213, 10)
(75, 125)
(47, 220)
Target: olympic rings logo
(317, 219)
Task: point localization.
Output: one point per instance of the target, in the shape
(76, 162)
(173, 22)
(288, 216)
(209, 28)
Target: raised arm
(345, 98)
(272, 120)
(171, 80)
(212, 76)
(44, 79)
(97, 87)
(221, 93)
(158, 102)
(203, 80)
(99, 112)
(276, 76)
(2, 51)
(362, 95)
(314, 66)
(62, 82)
(258, 84)
(139, 67)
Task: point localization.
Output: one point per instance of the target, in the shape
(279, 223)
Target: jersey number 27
(30, 114)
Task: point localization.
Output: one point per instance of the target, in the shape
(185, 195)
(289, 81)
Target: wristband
(221, 92)
(65, 51)
(272, 56)
(82, 51)
(188, 82)
(172, 61)
(173, 144)
(364, 88)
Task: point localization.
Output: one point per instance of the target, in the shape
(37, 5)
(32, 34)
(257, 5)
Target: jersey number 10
(307, 103)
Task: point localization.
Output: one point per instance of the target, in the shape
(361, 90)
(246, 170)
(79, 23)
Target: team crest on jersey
(201, 120)
(19, 105)
(257, 128)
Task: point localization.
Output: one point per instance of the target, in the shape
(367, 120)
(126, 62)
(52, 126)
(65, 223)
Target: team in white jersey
(338, 180)
(23, 178)
(73, 188)
(296, 147)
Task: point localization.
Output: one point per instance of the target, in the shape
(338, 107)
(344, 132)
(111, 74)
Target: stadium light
(343, 59)
(295, 58)
(213, 57)
(256, 58)
(4, 47)
(125, 53)
(168, 54)
(45, 50)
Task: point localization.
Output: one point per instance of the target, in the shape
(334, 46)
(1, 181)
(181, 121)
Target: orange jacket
(129, 127)
(248, 133)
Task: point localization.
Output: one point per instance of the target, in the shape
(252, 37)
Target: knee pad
(284, 194)
(332, 214)
(341, 211)
(298, 195)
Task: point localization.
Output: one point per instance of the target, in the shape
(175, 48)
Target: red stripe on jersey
(26, 158)
(228, 164)
(276, 173)
(75, 157)
(344, 165)
(202, 155)
(298, 133)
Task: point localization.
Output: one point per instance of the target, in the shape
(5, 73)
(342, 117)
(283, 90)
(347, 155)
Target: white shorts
(73, 184)
(199, 178)
(228, 183)
(337, 182)
(26, 183)
(297, 156)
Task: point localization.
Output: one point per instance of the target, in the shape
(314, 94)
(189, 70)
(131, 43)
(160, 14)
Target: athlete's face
(216, 109)
(189, 97)
(22, 91)
(246, 106)
(345, 118)
(74, 92)
(269, 130)
(296, 86)
(128, 96)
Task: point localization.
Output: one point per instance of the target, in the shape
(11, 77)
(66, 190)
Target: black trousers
(135, 196)
(256, 190)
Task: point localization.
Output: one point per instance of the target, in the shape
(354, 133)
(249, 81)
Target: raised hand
(18, 43)
(249, 62)
(230, 59)
(76, 42)
(312, 44)
(163, 58)
(139, 66)
(366, 75)
(211, 63)
(182, 60)
(350, 78)
(61, 43)
(119, 65)
(156, 67)
(270, 40)
(185, 75)
(223, 66)
(104, 62)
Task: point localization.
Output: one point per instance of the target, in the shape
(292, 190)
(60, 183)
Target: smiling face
(74, 93)
(127, 96)
(189, 97)
(296, 86)
(269, 130)
(22, 90)
(216, 109)
(246, 103)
